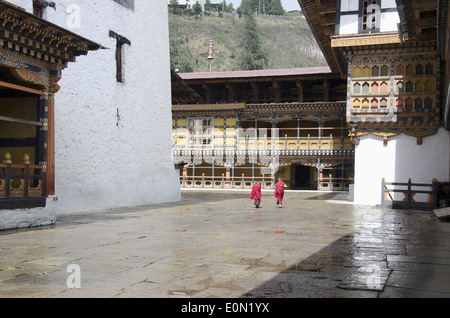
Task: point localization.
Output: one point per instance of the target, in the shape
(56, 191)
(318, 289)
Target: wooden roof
(321, 17)
(32, 36)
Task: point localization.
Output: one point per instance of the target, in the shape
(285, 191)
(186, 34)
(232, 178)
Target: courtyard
(216, 244)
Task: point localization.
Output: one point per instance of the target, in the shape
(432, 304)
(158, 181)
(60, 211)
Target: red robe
(256, 192)
(279, 190)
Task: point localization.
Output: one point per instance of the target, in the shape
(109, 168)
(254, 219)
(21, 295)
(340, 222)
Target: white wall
(102, 160)
(400, 160)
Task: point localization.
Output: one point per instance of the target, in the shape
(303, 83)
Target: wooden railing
(21, 180)
(408, 198)
(209, 182)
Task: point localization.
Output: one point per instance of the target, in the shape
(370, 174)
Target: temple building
(84, 108)
(232, 129)
(378, 112)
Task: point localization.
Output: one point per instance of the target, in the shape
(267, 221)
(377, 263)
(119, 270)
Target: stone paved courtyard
(216, 244)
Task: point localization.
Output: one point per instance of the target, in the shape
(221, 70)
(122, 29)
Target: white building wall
(398, 161)
(113, 140)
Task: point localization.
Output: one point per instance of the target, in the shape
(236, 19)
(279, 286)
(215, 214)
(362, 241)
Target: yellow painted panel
(218, 122)
(181, 122)
(231, 121)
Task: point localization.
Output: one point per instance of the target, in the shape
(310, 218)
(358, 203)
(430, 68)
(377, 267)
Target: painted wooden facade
(393, 55)
(255, 126)
(33, 53)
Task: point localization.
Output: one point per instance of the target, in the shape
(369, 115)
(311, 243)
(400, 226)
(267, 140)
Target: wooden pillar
(326, 91)
(50, 142)
(299, 85)
(255, 93)
(231, 94)
(207, 88)
(277, 92)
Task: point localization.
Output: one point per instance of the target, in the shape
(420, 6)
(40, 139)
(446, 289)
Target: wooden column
(207, 88)
(299, 85)
(277, 92)
(231, 93)
(50, 144)
(255, 93)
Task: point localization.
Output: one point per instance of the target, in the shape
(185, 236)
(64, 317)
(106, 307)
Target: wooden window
(365, 88)
(119, 61)
(419, 69)
(369, 16)
(200, 131)
(409, 103)
(365, 103)
(357, 72)
(400, 88)
(400, 70)
(384, 70)
(399, 102)
(375, 71)
(383, 102)
(418, 103)
(374, 88)
(38, 9)
(409, 86)
(428, 102)
(357, 88)
(383, 87)
(366, 71)
(429, 69)
(357, 103)
(428, 86)
(419, 86)
(374, 103)
(409, 70)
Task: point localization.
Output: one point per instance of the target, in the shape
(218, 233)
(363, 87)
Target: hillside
(288, 41)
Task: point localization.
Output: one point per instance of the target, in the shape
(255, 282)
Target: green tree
(181, 57)
(197, 7)
(263, 6)
(253, 56)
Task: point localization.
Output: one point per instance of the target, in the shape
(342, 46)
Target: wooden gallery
(378, 112)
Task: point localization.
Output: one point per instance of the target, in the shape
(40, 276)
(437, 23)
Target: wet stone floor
(216, 244)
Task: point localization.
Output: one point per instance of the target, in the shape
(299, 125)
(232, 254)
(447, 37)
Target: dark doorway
(302, 176)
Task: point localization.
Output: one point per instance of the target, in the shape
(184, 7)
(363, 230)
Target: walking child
(256, 194)
(279, 191)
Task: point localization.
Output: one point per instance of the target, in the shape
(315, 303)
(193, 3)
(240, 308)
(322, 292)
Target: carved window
(365, 103)
(374, 88)
(399, 102)
(418, 103)
(369, 16)
(366, 71)
(383, 87)
(357, 72)
(419, 86)
(419, 69)
(400, 70)
(365, 88)
(357, 88)
(428, 86)
(38, 9)
(409, 103)
(428, 102)
(409, 86)
(384, 70)
(374, 103)
(400, 87)
(200, 131)
(356, 103)
(383, 102)
(375, 71)
(429, 69)
(409, 69)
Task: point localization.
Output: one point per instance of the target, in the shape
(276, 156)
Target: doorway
(302, 176)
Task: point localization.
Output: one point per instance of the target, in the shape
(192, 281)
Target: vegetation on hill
(287, 41)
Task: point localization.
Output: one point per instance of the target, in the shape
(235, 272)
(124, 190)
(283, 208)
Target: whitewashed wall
(400, 160)
(113, 140)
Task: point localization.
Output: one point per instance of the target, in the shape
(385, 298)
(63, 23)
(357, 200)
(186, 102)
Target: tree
(181, 57)
(197, 7)
(263, 6)
(253, 56)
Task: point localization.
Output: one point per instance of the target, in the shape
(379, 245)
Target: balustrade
(21, 180)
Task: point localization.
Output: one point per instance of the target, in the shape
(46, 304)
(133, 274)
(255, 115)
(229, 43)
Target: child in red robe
(256, 194)
(279, 192)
